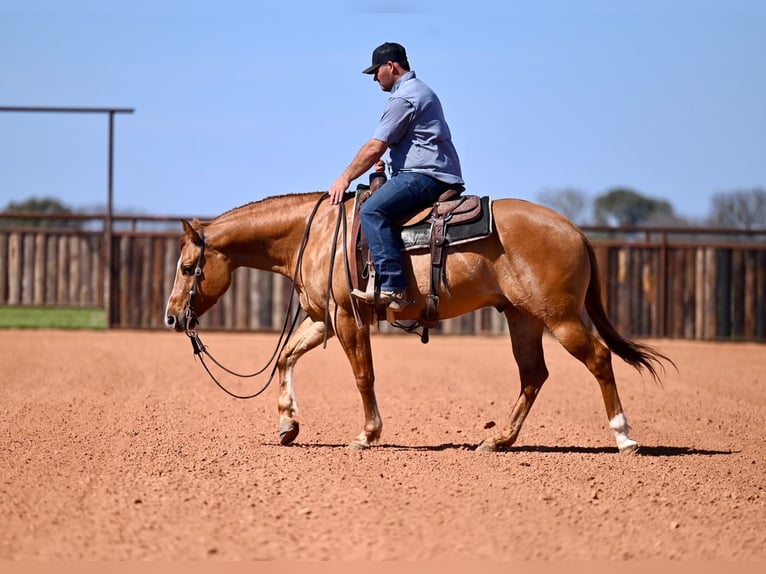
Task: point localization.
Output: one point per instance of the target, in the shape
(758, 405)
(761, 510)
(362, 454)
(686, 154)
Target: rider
(424, 164)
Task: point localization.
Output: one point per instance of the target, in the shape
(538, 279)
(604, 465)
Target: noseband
(189, 314)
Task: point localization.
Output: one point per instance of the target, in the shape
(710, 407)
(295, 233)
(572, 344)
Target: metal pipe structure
(110, 180)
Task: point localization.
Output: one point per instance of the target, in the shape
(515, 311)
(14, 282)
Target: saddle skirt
(467, 219)
(461, 220)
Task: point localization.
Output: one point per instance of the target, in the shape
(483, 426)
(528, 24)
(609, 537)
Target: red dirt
(116, 445)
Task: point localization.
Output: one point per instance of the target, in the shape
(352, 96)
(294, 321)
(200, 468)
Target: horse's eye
(187, 269)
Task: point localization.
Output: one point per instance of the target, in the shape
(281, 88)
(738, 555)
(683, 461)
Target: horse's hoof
(288, 431)
(487, 446)
(363, 442)
(629, 447)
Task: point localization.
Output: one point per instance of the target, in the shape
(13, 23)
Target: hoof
(363, 441)
(288, 431)
(487, 446)
(629, 447)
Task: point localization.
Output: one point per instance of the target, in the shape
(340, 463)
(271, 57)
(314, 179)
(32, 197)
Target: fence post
(662, 286)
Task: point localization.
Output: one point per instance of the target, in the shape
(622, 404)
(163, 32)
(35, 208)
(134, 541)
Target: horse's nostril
(170, 320)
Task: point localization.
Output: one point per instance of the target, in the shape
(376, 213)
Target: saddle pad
(419, 236)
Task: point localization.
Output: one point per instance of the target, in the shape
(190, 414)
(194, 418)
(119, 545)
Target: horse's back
(535, 230)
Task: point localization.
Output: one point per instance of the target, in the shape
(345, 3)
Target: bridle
(200, 349)
(190, 316)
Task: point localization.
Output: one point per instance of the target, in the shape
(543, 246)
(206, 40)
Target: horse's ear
(190, 233)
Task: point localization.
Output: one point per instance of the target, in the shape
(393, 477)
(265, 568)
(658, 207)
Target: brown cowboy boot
(394, 300)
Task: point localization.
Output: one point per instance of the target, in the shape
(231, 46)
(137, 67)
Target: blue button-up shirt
(418, 136)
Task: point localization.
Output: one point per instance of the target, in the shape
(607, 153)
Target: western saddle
(451, 208)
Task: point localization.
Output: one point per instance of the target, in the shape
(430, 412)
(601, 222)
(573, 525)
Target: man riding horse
(533, 265)
(424, 165)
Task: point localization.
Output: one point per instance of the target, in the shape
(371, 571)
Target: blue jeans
(401, 196)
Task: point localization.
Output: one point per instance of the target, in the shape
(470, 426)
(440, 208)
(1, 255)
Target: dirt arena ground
(115, 445)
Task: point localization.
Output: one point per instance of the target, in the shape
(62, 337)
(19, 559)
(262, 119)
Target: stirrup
(363, 296)
(368, 295)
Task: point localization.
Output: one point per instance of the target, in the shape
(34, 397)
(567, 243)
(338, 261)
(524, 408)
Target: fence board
(14, 269)
(737, 279)
(710, 294)
(27, 269)
(749, 287)
(96, 265)
(86, 273)
(241, 299)
(622, 300)
(723, 293)
(256, 301)
(156, 280)
(38, 294)
(62, 279)
(122, 302)
(4, 266)
(74, 271)
(674, 294)
(102, 268)
(689, 303)
(51, 268)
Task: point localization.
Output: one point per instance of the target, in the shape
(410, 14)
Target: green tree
(624, 206)
(43, 205)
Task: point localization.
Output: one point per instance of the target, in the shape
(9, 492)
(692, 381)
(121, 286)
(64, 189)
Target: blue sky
(238, 102)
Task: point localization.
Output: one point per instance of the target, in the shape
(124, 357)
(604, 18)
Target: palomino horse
(537, 268)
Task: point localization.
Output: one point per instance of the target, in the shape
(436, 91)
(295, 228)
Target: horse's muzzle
(180, 324)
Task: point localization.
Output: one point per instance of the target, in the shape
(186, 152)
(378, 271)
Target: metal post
(108, 219)
(108, 225)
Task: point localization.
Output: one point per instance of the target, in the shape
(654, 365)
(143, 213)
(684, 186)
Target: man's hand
(365, 158)
(337, 190)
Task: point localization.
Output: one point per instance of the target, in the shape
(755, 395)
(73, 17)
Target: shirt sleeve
(395, 121)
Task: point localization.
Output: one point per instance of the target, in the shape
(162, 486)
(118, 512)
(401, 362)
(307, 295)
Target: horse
(536, 267)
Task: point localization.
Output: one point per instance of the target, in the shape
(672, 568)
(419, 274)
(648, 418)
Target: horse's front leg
(356, 344)
(309, 334)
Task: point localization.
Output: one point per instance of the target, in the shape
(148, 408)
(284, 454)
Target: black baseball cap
(387, 52)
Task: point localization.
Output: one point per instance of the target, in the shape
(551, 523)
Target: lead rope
(200, 349)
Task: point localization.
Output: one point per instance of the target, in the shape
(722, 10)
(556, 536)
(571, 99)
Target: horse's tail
(635, 354)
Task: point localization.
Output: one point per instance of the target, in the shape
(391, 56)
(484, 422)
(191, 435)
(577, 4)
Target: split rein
(288, 326)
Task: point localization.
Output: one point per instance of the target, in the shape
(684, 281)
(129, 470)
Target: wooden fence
(677, 283)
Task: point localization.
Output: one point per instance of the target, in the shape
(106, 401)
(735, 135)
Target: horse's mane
(296, 196)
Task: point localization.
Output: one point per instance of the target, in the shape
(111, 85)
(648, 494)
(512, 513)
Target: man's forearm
(365, 158)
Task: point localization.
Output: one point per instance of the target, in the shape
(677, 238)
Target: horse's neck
(265, 234)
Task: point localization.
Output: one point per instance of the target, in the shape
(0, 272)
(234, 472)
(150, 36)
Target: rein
(288, 327)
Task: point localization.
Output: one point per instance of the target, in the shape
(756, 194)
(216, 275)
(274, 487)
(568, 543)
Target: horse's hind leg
(583, 345)
(527, 343)
(309, 334)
